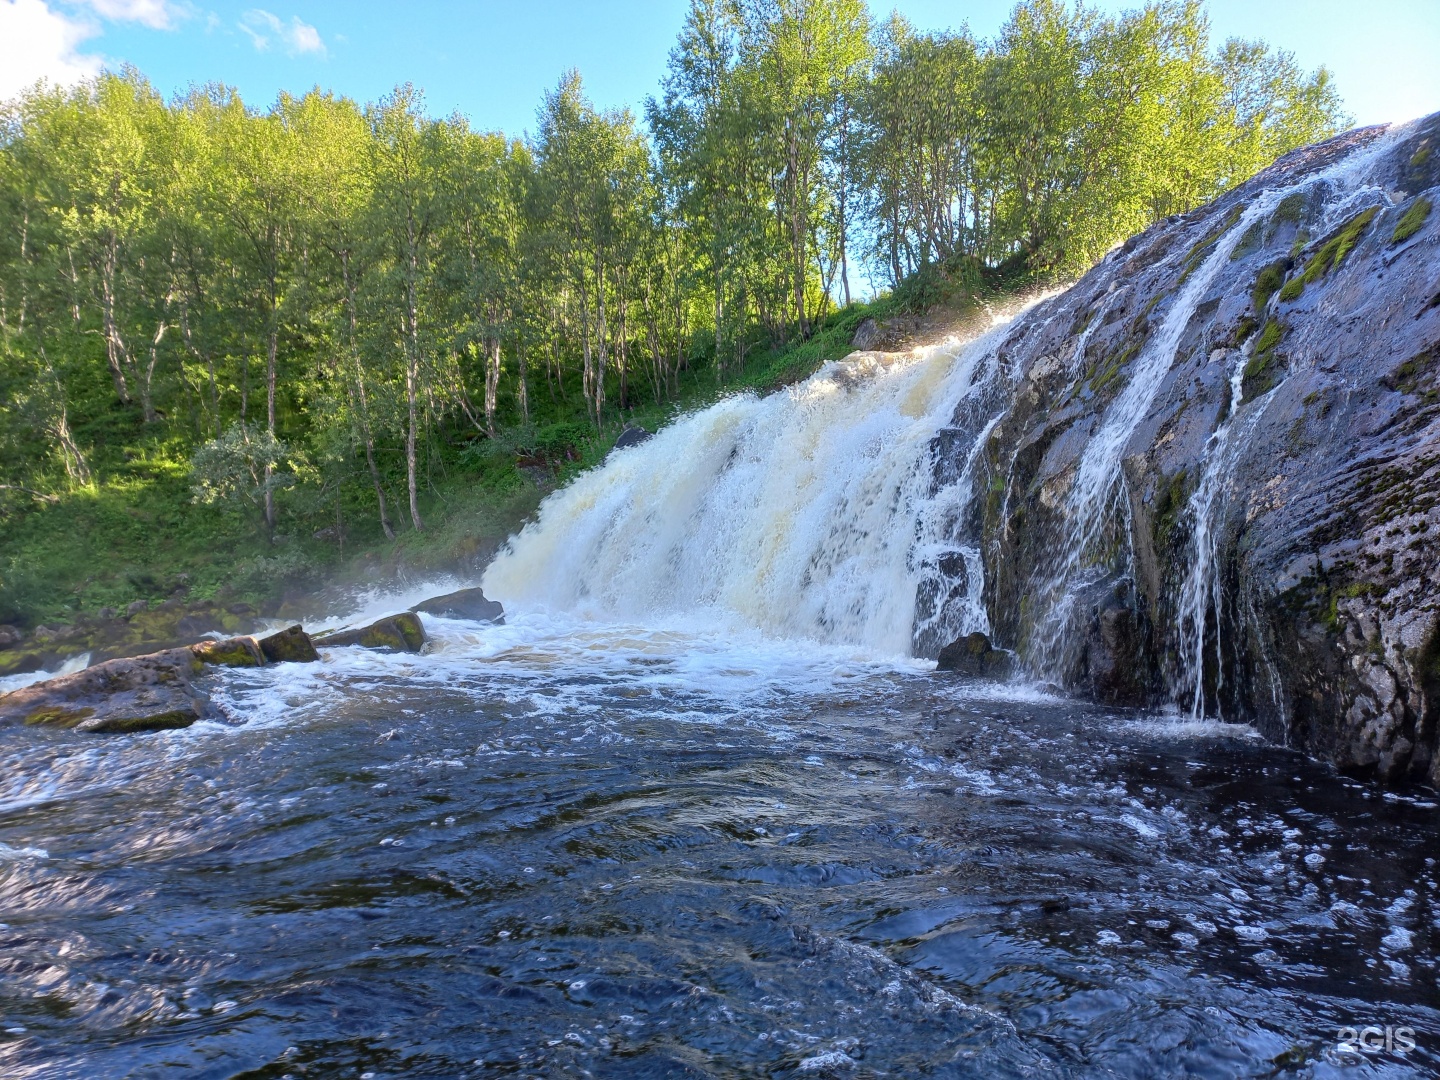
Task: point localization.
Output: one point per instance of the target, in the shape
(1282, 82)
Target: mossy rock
(58, 717)
(291, 645)
(229, 652)
(396, 633)
(1264, 369)
(1410, 222)
(974, 655)
(1330, 254)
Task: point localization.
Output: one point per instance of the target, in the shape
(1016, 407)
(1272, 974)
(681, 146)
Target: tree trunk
(115, 353)
(359, 392)
(272, 348)
(412, 380)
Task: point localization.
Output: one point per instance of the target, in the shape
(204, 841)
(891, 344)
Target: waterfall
(845, 510)
(1097, 508)
(814, 513)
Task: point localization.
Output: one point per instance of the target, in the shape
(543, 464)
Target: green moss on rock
(398, 633)
(1410, 222)
(291, 645)
(229, 652)
(1267, 283)
(1262, 372)
(1330, 254)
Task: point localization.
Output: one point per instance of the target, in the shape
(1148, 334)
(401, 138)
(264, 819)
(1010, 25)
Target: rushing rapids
(701, 807)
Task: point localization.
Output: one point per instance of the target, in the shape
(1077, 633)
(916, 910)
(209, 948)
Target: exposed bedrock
(1212, 466)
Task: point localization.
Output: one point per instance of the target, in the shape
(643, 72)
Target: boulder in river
(229, 652)
(463, 604)
(399, 633)
(139, 693)
(974, 655)
(291, 644)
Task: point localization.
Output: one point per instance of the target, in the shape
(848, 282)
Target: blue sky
(492, 61)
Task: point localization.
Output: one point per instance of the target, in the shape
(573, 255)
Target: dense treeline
(307, 303)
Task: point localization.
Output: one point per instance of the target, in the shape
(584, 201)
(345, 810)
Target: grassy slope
(139, 536)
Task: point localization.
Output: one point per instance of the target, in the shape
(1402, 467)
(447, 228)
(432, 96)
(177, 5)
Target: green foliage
(1330, 254)
(1410, 222)
(317, 313)
(240, 467)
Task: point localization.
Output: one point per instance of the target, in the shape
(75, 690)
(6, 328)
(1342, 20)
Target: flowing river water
(694, 811)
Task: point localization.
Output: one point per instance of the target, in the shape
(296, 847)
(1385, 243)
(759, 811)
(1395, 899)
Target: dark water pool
(544, 851)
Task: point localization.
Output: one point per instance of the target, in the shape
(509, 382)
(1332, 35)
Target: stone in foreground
(398, 633)
(974, 655)
(463, 604)
(139, 693)
(291, 644)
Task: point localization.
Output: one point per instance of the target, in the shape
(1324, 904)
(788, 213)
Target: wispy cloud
(156, 14)
(295, 37)
(37, 42)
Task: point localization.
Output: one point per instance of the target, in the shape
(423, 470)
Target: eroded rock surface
(1269, 549)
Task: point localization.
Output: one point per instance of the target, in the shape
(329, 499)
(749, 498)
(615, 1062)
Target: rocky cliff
(1207, 474)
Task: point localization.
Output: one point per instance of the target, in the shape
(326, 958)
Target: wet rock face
(290, 645)
(632, 436)
(1268, 547)
(973, 655)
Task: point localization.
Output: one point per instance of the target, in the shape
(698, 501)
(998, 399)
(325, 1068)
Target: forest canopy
(314, 302)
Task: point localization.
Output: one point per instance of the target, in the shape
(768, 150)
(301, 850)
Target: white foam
(796, 515)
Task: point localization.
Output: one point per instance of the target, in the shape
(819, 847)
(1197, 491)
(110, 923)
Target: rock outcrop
(143, 693)
(291, 645)
(632, 436)
(396, 633)
(1209, 472)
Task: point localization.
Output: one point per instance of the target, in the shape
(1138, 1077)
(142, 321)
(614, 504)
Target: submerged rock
(291, 644)
(140, 693)
(463, 604)
(974, 655)
(400, 633)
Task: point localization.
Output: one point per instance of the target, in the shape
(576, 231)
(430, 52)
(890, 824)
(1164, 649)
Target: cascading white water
(1201, 594)
(1096, 494)
(804, 514)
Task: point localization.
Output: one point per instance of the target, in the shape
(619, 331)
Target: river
(566, 847)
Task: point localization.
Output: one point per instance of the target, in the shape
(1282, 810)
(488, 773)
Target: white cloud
(37, 42)
(156, 14)
(295, 37)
